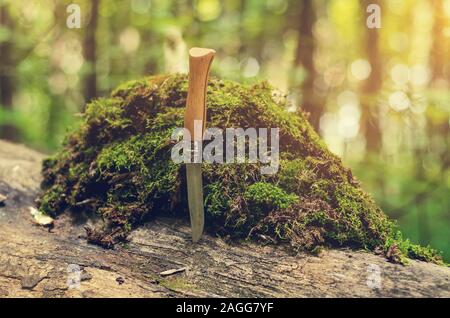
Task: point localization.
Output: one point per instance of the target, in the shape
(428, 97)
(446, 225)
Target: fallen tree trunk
(161, 261)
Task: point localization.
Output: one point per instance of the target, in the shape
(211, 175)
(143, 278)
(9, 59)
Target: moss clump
(265, 196)
(118, 164)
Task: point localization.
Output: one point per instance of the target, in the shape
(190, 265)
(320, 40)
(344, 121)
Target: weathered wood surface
(35, 262)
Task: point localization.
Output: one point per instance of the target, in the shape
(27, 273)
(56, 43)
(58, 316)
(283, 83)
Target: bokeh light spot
(208, 10)
(400, 74)
(399, 101)
(420, 75)
(129, 40)
(361, 69)
(250, 67)
(347, 98)
(141, 6)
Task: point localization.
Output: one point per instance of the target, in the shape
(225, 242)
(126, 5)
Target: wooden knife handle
(199, 63)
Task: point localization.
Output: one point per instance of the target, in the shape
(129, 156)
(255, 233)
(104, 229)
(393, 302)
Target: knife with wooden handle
(200, 60)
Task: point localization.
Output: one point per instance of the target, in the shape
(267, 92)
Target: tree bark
(35, 262)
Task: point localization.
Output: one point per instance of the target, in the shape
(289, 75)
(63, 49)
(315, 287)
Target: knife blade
(200, 60)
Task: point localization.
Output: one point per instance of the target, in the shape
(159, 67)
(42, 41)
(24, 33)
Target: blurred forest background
(379, 97)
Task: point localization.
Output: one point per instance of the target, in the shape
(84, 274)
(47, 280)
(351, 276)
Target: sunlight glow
(334, 75)
(420, 75)
(141, 6)
(208, 10)
(347, 98)
(250, 67)
(361, 69)
(57, 83)
(398, 41)
(348, 126)
(129, 40)
(400, 74)
(399, 101)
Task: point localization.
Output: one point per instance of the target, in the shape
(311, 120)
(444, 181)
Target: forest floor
(160, 261)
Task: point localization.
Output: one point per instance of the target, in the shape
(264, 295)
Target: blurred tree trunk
(420, 200)
(304, 58)
(90, 53)
(57, 106)
(243, 35)
(370, 88)
(7, 131)
(440, 44)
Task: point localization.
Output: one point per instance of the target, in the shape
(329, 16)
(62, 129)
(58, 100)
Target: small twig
(84, 202)
(173, 271)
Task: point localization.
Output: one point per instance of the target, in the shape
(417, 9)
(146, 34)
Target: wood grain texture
(199, 64)
(34, 262)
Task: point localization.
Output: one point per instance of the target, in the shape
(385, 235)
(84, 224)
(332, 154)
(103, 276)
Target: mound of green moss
(118, 164)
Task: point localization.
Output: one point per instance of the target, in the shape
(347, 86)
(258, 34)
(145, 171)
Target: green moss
(266, 197)
(177, 284)
(53, 200)
(398, 249)
(118, 165)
